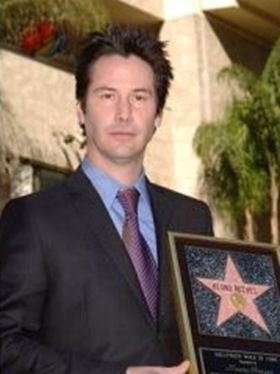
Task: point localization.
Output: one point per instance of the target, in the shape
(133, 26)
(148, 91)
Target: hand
(180, 369)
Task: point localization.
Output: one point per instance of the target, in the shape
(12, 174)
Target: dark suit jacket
(69, 298)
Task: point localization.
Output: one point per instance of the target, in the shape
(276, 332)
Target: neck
(126, 173)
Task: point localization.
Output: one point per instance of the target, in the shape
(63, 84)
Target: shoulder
(45, 197)
(49, 200)
(26, 212)
(183, 212)
(178, 198)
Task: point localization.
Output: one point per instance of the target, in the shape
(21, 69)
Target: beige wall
(40, 103)
(184, 110)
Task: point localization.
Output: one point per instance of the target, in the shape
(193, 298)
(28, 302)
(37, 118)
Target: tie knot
(129, 200)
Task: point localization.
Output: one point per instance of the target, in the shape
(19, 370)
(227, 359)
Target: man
(72, 299)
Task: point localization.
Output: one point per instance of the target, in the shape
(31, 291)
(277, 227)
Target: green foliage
(238, 77)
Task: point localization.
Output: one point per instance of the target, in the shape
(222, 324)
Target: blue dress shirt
(107, 188)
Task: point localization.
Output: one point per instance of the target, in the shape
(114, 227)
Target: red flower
(30, 40)
(36, 36)
(46, 30)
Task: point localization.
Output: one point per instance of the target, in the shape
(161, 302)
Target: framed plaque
(227, 298)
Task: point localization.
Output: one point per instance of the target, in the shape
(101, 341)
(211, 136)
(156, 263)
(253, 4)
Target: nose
(123, 109)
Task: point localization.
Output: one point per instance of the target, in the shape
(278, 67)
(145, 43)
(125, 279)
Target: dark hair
(124, 40)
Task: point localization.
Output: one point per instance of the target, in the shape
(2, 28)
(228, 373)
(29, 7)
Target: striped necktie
(138, 250)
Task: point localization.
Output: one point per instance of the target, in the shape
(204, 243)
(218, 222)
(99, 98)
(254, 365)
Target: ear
(80, 112)
(158, 120)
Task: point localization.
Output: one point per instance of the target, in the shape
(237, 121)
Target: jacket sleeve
(23, 292)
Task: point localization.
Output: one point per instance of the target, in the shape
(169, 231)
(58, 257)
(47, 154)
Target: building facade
(40, 140)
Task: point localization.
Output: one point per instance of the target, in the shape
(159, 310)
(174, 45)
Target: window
(45, 176)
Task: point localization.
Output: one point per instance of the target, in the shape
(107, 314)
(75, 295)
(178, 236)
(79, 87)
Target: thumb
(184, 366)
(180, 369)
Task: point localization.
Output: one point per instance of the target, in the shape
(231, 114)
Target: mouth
(122, 134)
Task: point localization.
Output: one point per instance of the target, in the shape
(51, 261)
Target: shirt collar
(107, 187)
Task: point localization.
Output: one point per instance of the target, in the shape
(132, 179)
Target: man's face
(120, 110)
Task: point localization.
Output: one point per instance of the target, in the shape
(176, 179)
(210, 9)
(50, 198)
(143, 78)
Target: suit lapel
(102, 230)
(163, 211)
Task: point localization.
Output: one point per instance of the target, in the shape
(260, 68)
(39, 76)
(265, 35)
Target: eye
(107, 95)
(139, 97)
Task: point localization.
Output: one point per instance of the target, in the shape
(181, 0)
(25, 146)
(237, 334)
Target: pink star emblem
(236, 296)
